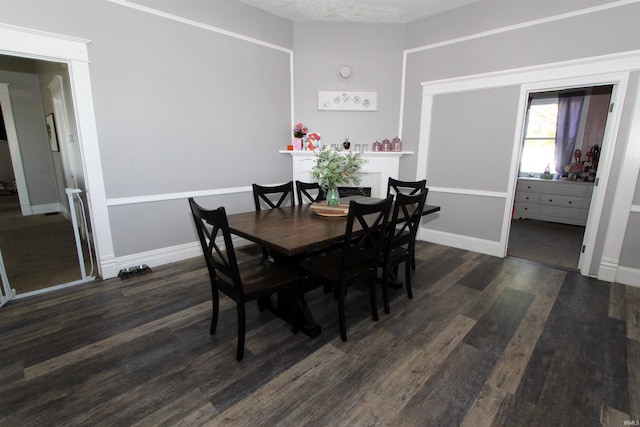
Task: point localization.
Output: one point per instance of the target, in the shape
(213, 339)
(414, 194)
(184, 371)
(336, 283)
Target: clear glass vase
(333, 197)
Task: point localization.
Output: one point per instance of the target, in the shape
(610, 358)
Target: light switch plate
(347, 100)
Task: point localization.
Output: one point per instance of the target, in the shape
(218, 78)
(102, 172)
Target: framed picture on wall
(51, 131)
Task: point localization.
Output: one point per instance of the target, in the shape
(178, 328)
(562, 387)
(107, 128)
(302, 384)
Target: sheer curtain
(569, 112)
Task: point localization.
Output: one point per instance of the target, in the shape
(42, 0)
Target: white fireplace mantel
(375, 173)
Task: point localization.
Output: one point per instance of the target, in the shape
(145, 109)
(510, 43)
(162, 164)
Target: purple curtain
(569, 112)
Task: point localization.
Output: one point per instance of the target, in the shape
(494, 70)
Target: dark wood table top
(293, 230)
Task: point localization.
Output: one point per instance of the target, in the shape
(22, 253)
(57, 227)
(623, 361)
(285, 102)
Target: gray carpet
(39, 251)
(547, 242)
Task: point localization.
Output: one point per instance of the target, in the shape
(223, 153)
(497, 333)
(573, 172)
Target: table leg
(305, 319)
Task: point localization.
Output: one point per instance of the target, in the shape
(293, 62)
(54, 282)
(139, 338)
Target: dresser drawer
(529, 186)
(565, 189)
(561, 201)
(525, 210)
(560, 212)
(527, 197)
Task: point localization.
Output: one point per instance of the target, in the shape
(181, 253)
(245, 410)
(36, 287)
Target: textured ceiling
(369, 11)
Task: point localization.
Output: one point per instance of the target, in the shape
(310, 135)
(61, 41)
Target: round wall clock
(345, 71)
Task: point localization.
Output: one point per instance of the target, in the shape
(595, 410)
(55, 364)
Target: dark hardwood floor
(484, 342)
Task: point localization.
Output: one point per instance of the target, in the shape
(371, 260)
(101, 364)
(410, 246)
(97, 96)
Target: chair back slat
(363, 244)
(305, 195)
(267, 195)
(395, 186)
(405, 219)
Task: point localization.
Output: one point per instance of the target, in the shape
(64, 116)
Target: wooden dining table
(294, 231)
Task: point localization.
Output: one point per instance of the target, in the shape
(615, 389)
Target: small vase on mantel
(333, 197)
(346, 144)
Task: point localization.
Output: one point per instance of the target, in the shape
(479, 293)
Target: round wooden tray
(331, 215)
(323, 209)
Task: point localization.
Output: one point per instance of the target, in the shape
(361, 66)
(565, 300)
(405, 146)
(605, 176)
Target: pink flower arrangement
(299, 130)
(312, 141)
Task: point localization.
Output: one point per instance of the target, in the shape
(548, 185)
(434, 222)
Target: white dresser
(551, 200)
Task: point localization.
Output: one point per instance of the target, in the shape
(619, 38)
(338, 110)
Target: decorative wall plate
(348, 100)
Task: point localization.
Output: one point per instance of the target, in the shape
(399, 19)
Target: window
(540, 136)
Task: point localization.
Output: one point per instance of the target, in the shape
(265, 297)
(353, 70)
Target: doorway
(562, 139)
(36, 236)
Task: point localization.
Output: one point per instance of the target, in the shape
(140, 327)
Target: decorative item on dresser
(565, 202)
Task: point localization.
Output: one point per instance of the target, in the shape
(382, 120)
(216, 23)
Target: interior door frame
(60, 114)
(619, 81)
(14, 150)
(27, 43)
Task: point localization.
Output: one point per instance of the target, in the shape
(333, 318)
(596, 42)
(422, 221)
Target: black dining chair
(400, 241)
(309, 192)
(395, 186)
(250, 280)
(356, 260)
(274, 196)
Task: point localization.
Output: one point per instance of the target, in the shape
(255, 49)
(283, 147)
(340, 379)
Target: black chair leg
(407, 279)
(241, 331)
(372, 298)
(341, 313)
(215, 300)
(385, 289)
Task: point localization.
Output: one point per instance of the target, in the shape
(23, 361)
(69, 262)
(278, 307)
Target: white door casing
(22, 42)
(14, 149)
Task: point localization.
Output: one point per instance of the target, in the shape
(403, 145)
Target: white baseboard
(161, 256)
(156, 257)
(608, 269)
(40, 209)
(628, 276)
(473, 244)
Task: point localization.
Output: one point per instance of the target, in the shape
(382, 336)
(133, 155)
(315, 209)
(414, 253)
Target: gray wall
(375, 54)
(470, 148)
(179, 108)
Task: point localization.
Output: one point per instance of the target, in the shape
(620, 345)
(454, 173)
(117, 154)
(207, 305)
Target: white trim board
(171, 254)
(14, 149)
(200, 25)
(526, 24)
(468, 243)
(120, 201)
(606, 69)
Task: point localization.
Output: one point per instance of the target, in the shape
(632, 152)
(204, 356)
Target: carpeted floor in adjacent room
(547, 242)
(39, 251)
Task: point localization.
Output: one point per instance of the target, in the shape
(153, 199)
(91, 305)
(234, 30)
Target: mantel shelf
(375, 173)
(305, 153)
